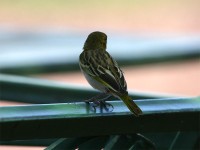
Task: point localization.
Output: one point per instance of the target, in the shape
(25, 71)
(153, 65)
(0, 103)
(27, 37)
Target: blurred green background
(156, 42)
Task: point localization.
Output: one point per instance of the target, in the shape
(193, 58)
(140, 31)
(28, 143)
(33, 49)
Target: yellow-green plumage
(131, 105)
(103, 72)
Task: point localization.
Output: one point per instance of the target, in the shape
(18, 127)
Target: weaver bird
(102, 71)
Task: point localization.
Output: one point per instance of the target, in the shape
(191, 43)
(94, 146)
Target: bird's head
(96, 41)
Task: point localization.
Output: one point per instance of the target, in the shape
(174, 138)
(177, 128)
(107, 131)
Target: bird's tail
(131, 105)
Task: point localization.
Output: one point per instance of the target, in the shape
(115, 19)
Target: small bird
(102, 71)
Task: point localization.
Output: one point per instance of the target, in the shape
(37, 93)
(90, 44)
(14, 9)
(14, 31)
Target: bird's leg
(100, 100)
(96, 98)
(106, 105)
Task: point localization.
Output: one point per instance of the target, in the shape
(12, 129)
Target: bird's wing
(100, 66)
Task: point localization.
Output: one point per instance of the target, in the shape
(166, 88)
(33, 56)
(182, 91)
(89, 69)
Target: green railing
(56, 117)
(76, 121)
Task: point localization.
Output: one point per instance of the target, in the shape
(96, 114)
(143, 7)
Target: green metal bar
(33, 90)
(73, 66)
(161, 140)
(43, 55)
(78, 119)
(174, 140)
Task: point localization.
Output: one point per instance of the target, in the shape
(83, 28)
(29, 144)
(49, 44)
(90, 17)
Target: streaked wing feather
(104, 69)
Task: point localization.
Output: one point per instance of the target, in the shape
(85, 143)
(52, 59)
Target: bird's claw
(102, 105)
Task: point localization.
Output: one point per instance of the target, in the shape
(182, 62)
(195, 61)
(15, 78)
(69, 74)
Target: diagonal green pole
(40, 91)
